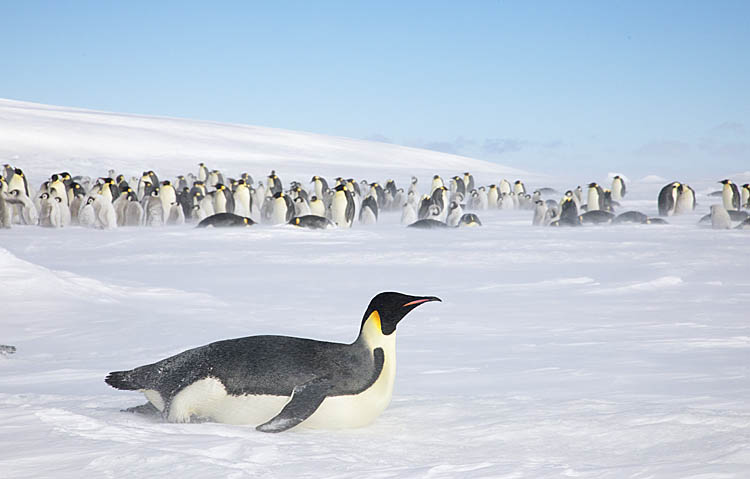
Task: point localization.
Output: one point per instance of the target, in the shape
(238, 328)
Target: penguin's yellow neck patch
(375, 319)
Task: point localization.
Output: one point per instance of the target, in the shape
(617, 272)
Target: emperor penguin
(223, 199)
(87, 215)
(342, 207)
(282, 209)
(745, 196)
(56, 189)
(106, 218)
(243, 200)
(507, 201)
(49, 215)
(29, 213)
(720, 219)
(595, 197)
(468, 181)
(413, 189)
(493, 195)
(437, 182)
(685, 200)
(440, 199)
(457, 186)
(312, 222)
(320, 185)
(202, 172)
(133, 211)
(504, 187)
(408, 214)
(301, 207)
(274, 183)
(455, 212)
(667, 200)
(176, 215)
(519, 188)
(540, 210)
(168, 197)
(578, 193)
(469, 219)
(108, 189)
(596, 217)
(121, 204)
(317, 207)
(368, 214)
(153, 211)
(482, 200)
(223, 220)
(271, 381)
(568, 213)
(18, 181)
(730, 195)
(215, 178)
(618, 188)
(630, 217)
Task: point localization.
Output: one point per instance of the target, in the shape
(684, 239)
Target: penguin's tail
(122, 380)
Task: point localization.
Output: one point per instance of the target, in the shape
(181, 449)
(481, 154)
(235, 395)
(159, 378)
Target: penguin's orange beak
(422, 300)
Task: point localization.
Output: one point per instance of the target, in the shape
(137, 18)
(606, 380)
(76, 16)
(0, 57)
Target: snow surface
(593, 352)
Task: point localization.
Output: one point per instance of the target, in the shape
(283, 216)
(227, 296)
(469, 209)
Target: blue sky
(610, 85)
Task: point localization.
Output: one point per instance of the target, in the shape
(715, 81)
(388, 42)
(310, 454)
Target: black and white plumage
(667, 200)
(730, 195)
(279, 382)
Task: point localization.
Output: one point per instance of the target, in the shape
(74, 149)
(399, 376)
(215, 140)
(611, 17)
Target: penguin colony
(208, 198)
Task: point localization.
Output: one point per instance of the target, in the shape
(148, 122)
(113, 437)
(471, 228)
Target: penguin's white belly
(208, 398)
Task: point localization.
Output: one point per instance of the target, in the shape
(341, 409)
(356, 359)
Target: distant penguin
(282, 209)
(317, 207)
(153, 211)
(313, 222)
(274, 183)
(469, 220)
(342, 207)
(133, 212)
(630, 217)
(223, 199)
(685, 200)
(568, 214)
(18, 181)
(224, 220)
(618, 188)
(320, 186)
(720, 218)
(428, 224)
(503, 187)
(440, 200)
(745, 196)
(106, 218)
(176, 216)
(540, 210)
(493, 195)
(301, 207)
(368, 214)
(29, 213)
(595, 197)
(49, 214)
(167, 196)
(596, 217)
(87, 214)
(437, 182)
(667, 200)
(578, 196)
(413, 189)
(202, 172)
(455, 212)
(468, 181)
(408, 214)
(519, 188)
(730, 195)
(279, 382)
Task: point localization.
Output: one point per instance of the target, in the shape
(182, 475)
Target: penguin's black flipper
(306, 398)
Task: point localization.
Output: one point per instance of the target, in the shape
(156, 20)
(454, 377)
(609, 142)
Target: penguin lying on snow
(225, 220)
(280, 381)
(468, 219)
(313, 222)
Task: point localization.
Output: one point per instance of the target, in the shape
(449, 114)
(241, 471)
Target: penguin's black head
(391, 308)
(725, 182)
(340, 188)
(592, 185)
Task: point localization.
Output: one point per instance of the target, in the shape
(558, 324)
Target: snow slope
(598, 352)
(50, 138)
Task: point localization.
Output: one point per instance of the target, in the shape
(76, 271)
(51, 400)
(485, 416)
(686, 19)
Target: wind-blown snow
(593, 352)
